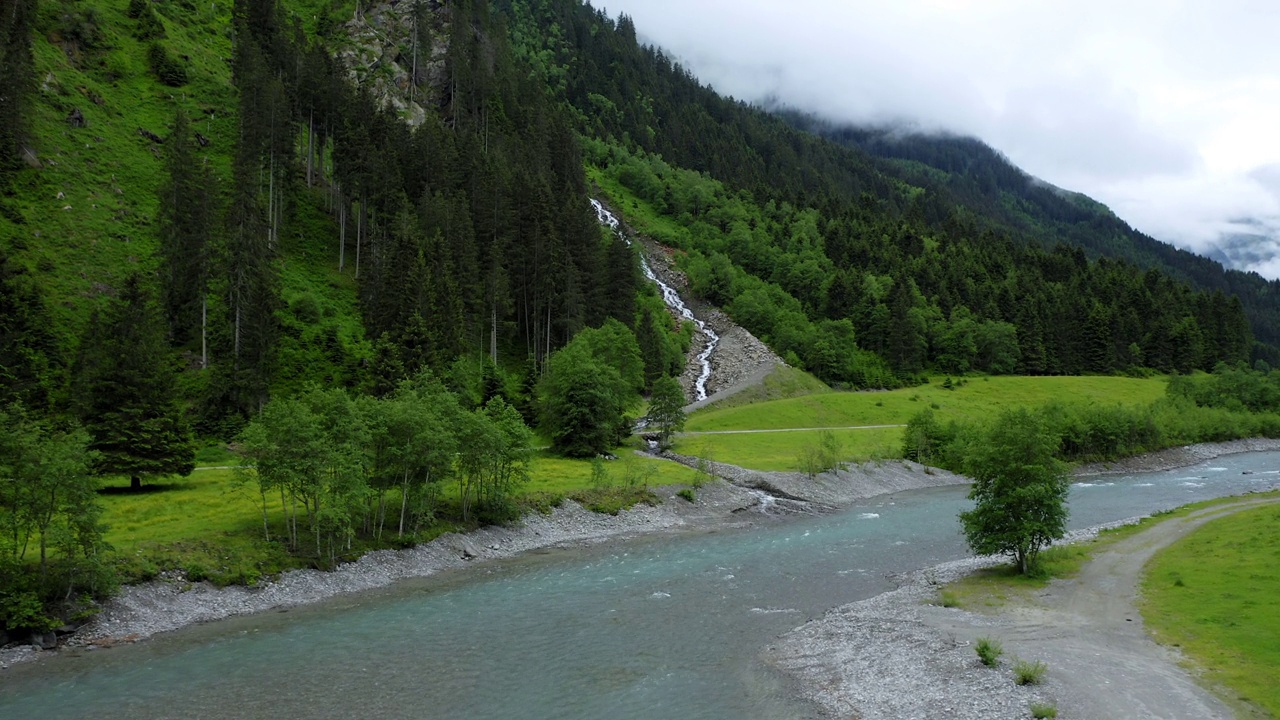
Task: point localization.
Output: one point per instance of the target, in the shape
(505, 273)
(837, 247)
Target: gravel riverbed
(742, 497)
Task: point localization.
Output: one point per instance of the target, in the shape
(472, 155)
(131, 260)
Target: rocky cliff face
(397, 52)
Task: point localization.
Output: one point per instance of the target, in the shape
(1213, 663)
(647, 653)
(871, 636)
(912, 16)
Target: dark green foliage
(666, 410)
(1019, 490)
(186, 223)
(925, 440)
(30, 360)
(17, 81)
(126, 393)
(1231, 388)
(589, 385)
(167, 69)
(582, 402)
(51, 547)
(828, 232)
(149, 26)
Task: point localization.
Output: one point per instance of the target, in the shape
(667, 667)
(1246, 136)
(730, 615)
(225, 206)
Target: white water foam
(672, 299)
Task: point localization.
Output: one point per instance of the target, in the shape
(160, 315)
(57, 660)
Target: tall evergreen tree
(17, 80)
(126, 392)
(30, 361)
(186, 222)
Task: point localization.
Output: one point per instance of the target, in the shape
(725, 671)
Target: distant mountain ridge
(974, 175)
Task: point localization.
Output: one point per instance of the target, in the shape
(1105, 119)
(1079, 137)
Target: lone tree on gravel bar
(1020, 490)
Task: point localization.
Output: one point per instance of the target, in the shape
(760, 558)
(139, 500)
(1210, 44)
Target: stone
(76, 119)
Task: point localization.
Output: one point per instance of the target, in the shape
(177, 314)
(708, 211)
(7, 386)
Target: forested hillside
(296, 229)
(973, 176)
(310, 205)
(827, 252)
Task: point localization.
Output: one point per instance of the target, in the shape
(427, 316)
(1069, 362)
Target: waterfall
(672, 299)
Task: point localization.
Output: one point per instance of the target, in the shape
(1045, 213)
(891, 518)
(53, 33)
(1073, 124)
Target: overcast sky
(1168, 111)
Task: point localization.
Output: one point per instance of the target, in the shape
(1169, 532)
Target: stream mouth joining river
(656, 627)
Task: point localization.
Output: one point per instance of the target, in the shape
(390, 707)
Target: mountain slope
(976, 177)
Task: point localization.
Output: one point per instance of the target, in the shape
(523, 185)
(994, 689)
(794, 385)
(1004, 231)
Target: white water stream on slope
(672, 299)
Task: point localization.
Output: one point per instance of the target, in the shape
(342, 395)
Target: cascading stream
(672, 299)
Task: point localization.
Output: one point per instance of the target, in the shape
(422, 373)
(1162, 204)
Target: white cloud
(1162, 109)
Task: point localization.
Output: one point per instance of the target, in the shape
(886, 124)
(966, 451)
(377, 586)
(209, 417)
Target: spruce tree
(186, 222)
(127, 394)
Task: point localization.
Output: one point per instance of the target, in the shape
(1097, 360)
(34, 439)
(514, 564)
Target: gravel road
(901, 656)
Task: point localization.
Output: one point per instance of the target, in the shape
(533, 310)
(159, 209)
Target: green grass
(212, 528)
(781, 450)
(979, 399)
(1214, 593)
(990, 588)
(201, 524)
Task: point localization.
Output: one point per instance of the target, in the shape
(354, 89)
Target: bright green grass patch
(781, 450)
(564, 477)
(979, 399)
(1214, 594)
(203, 525)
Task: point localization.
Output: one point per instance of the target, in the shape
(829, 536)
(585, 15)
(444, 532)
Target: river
(659, 627)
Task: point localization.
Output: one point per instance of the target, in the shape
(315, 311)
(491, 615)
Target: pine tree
(17, 80)
(186, 221)
(127, 392)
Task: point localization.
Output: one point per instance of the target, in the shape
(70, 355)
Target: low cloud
(1164, 110)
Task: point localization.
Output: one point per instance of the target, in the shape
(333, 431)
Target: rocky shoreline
(739, 498)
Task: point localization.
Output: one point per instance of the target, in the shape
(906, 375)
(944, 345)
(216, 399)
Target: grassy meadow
(973, 400)
(211, 525)
(1213, 594)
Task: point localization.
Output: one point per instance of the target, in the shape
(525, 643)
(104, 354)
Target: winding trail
(1090, 626)
(901, 656)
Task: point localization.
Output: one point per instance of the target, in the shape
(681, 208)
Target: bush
(688, 494)
(166, 68)
(989, 651)
(1029, 673)
(1041, 711)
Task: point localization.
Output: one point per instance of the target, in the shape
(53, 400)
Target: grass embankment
(991, 588)
(976, 400)
(211, 527)
(1213, 594)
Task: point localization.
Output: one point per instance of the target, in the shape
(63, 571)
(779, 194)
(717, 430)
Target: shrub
(1041, 711)
(1029, 673)
(167, 69)
(989, 652)
(688, 494)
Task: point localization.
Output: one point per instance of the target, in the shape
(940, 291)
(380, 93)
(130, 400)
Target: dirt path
(901, 656)
(1089, 631)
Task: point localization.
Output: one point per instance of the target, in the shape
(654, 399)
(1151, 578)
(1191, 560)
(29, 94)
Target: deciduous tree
(1019, 489)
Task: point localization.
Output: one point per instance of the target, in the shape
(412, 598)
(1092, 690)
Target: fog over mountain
(1164, 111)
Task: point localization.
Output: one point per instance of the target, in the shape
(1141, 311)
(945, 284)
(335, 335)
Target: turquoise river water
(658, 627)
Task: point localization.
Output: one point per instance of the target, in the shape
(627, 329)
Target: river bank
(737, 498)
(902, 655)
(740, 498)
